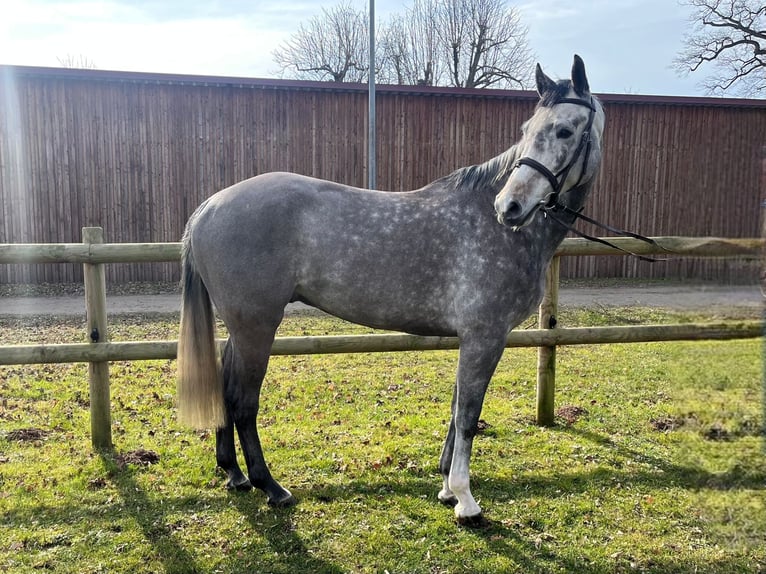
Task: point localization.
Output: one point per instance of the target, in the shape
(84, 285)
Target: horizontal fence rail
(89, 253)
(93, 253)
(385, 343)
(670, 246)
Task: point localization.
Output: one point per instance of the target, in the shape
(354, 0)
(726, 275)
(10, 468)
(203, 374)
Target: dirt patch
(666, 424)
(670, 423)
(570, 414)
(717, 432)
(28, 435)
(482, 426)
(139, 457)
(750, 427)
(97, 483)
(78, 289)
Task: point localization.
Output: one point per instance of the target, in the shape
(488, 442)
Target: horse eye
(564, 133)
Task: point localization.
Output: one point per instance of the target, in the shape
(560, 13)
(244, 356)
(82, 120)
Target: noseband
(557, 179)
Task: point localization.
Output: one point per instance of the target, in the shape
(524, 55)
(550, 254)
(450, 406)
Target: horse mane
(490, 174)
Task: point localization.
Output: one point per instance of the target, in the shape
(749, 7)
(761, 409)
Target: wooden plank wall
(679, 170)
(136, 154)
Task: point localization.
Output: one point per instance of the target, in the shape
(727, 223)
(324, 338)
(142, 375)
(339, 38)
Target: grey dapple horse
(465, 255)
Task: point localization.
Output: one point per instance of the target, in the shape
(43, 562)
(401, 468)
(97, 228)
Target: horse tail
(200, 383)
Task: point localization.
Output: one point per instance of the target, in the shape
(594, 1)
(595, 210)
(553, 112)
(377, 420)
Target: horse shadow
(276, 525)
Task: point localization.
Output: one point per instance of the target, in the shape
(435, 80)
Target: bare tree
(333, 46)
(485, 42)
(410, 47)
(461, 43)
(731, 36)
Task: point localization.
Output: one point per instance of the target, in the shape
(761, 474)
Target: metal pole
(371, 135)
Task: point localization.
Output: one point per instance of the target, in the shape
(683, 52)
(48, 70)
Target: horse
(464, 256)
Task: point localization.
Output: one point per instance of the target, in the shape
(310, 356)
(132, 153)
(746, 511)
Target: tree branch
(731, 37)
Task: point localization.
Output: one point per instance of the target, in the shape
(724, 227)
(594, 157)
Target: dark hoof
(242, 485)
(284, 502)
(475, 521)
(450, 501)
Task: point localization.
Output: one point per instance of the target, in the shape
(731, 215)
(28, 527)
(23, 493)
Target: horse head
(559, 150)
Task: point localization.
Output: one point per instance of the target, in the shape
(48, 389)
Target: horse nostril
(513, 211)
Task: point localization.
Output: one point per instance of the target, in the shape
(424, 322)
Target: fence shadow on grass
(533, 558)
(670, 474)
(150, 517)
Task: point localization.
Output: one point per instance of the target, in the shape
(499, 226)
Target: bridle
(551, 205)
(557, 179)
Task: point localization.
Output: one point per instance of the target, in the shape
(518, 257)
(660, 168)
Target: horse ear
(544, 83)
(579, 79)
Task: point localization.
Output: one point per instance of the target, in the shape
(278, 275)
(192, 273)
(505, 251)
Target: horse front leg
(446, 496)
(478, 358)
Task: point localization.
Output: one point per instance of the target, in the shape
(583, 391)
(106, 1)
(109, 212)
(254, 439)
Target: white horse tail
(200, 383)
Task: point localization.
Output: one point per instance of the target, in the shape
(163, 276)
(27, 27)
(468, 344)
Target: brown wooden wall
(136, 153)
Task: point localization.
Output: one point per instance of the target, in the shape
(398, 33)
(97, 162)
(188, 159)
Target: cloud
(177, 37)
(534, 12)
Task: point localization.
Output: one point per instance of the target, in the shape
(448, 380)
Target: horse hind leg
(225, 452)
(248, 369)
(226, 457)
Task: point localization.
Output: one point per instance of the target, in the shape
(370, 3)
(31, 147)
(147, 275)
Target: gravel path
(738, 299)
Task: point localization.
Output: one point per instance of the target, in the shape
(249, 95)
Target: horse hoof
(284, 502)
(450, 501)
(239, 485)
(475, 521)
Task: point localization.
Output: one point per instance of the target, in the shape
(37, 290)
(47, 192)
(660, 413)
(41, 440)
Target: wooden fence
(93, 254)
(136, 153)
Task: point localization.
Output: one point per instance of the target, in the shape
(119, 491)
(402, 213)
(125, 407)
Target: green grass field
(656, 463)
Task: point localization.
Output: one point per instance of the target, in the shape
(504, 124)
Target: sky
(628, 45)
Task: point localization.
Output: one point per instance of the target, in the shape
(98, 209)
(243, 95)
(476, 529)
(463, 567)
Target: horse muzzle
(514, 214)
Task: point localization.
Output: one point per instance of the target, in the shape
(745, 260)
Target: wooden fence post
(98, 372)
(546, 356)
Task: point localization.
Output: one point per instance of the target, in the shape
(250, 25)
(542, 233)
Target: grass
(656, 463)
